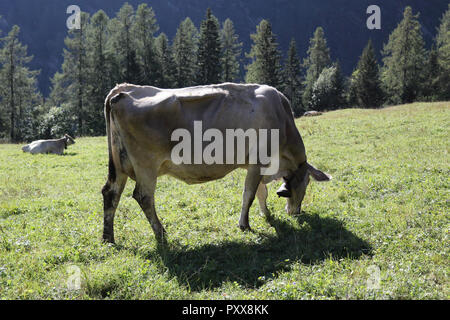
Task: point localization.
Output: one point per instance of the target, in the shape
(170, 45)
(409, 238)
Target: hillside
(385, 211)
(43, 23)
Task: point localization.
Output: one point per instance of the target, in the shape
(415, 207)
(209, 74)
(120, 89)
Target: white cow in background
(55, 146)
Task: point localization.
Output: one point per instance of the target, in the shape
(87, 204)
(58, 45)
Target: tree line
(105, 51)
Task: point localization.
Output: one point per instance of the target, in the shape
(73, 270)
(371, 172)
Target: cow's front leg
(252, 181)
(111, 196)
(144, 194)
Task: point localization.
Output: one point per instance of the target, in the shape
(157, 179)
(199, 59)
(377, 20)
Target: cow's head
(69, 140)
(294, 186)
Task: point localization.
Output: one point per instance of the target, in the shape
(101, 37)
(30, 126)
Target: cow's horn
(283, 191)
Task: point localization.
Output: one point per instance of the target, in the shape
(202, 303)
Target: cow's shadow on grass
(69, 153)
(314, 240)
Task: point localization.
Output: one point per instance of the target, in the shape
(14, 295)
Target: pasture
(378, 230)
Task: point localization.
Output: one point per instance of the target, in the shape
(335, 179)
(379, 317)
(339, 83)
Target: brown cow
(144, 123)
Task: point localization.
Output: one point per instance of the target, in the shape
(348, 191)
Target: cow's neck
(296, 155)
(295, 150)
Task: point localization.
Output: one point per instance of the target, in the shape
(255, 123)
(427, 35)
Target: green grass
(387, 206)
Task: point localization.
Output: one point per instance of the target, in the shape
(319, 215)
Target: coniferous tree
(165, 62)
(265, 67)
(432, 74)
(350, 94)
(18, 88)
(317, 60)
(231, 52)
(70, 84)
(123, 44)
(144, 29)
(340, 87)
(58, 91)
(292, 79)
(367, 81)
(209, 51)
(443, 56)
(185, 47)
(404, 60)
(99, 72)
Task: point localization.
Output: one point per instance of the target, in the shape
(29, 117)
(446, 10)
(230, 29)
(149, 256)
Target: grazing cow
(56, 146)
(141, 120)
(312, 113)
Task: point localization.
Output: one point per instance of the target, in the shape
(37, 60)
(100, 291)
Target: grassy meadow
(378, 230)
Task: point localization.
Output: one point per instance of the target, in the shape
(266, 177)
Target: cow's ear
(317, 174)
(284, 191)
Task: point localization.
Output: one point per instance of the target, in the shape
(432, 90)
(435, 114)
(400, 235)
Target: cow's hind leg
(111, 196)
(144, 194)
(252, 181)
(261, 194)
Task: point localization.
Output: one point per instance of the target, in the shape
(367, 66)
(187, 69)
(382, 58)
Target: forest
(130, 47)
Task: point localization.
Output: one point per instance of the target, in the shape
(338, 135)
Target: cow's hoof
(269, 219)
(108, 238)
(108, 241)
(160, 234)
(245, 228)
(266, 214)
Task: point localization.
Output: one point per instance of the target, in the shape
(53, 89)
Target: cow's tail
(111, 166)
(113, 96)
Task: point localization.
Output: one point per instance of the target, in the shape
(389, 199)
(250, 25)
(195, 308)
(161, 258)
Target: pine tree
(231, 52)
(404, 60)
(60, 108)
(98, 81)
(265, 67)
(432, 74)
(317, 60)
(443, 56)
(123, 44)
(71, 82)
(165, 62)
(340, 87)
(350, 94)
(367, 82)
(209, 51)
(144, 29)
(58, 92)
(18, 86)
(185, 47)
(28, 103)
(292, 79)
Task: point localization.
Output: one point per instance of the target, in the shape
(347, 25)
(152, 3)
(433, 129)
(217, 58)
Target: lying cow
(55, 146)
(141, 120)
(312, 113)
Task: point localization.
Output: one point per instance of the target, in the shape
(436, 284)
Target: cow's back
(144, 118)
(217, 106)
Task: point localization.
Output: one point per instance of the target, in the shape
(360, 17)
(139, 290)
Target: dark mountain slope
(43, 22)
